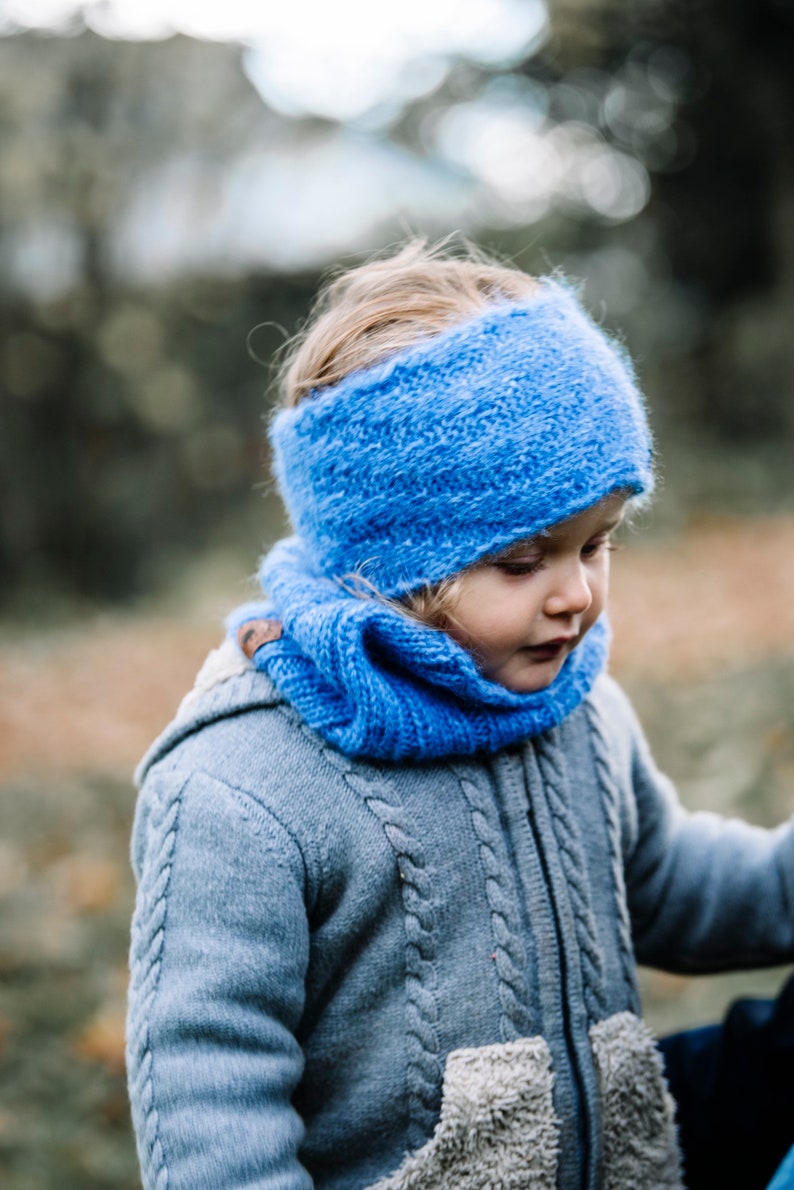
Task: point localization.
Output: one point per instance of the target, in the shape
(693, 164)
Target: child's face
(522, 613)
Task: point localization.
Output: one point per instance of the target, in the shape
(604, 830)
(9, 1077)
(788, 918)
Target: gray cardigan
(419, 976)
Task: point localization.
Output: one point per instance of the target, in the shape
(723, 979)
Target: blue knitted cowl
(411, 470)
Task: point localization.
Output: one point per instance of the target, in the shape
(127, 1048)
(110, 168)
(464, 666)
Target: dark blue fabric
(735, 1092)
(784, 1176)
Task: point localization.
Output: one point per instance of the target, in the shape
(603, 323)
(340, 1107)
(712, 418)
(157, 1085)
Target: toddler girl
(403, 842)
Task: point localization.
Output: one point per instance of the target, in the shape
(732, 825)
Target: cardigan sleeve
(705, 893)
(219, 956)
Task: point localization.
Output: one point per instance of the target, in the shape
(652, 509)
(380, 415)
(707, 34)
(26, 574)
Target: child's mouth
(550, 649)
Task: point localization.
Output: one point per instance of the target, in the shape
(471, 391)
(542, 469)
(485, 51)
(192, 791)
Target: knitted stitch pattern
(609, 789)
(564, 824)
(410, 471)
(148, 936)
(459, 446)
(421, 1013)
(377, 684)
(509, 953)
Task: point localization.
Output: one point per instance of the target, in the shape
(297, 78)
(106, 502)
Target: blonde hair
(379, 308)
(375, 310)
(434, 605)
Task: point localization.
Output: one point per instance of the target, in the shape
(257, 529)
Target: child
(400, 847)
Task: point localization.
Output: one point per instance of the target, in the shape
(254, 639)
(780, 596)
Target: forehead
(599, 518)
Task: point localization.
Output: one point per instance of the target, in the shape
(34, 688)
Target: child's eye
(518, 568)
(593, 548)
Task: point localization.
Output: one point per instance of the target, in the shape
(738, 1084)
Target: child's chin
(531, 679)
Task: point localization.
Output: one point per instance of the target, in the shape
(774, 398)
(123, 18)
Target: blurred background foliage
(175, 175)
(161, 194)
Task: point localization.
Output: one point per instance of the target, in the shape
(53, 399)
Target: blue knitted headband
(462, 444)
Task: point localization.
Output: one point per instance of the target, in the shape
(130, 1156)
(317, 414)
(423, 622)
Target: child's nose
(569, 593)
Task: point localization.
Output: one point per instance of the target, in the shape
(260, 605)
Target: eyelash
(517, 569)
(521, 569)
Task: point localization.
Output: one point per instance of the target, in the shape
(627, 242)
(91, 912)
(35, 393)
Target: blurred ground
(704, 625)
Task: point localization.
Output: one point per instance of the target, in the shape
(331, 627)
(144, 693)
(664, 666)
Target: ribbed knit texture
(462, 444)
(408, 472)
(377, 684)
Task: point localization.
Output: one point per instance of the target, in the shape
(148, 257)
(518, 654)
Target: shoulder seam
(311, 879)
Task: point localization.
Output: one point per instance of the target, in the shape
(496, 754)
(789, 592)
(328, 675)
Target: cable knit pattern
(148, 932)
(566, 831)
(424, 1065)
(510, 956)
(610, 794)
(303, 991)
(454, 448)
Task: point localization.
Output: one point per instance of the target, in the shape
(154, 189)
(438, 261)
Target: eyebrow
(614, 522)
(536, 542)
(516, 551)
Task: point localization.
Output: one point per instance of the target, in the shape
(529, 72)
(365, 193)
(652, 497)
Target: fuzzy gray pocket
(497, 1125)
(640, 1146)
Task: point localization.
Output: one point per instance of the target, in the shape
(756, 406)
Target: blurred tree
(723, 199)
(646, 146)
(130, 421)
(729, 215)
(128, 433)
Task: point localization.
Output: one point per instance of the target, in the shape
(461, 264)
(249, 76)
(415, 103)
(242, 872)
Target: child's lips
(550, 649)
